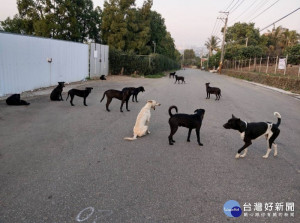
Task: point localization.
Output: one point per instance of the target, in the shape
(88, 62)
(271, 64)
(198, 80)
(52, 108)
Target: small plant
(159, 75)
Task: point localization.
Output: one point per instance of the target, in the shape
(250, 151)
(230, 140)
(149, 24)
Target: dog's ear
(233, 116)
(149, 101)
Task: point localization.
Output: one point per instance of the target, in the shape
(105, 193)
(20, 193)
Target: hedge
(131, 63)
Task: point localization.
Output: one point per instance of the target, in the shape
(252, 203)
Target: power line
(237, 6)
(254, 10)
(233, 6)
(280, 19)
(229, 5)
(218, 28)
(244, 11)
(264, 10)
(259, 5)
(214, 26)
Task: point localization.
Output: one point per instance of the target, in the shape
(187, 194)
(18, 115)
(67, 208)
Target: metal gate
(99, 61)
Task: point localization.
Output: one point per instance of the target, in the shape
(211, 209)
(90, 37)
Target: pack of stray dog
(249, 131)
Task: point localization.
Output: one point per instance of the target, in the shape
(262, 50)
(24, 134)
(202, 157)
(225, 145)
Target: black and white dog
(253, 130)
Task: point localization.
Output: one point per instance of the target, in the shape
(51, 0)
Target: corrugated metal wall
(99, 60)
(24, 62)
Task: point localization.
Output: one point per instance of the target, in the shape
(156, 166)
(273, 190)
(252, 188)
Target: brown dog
(121, 95)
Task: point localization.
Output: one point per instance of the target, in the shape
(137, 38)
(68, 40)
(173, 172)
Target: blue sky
(191, 22)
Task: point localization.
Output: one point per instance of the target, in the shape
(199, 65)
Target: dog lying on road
(212, 90)
(123, 95)
(172, 74)
(79, 93)
(141, 126)
(15, 99)
(179, 78)
(56, 93)
(252, 130)
(189, 121)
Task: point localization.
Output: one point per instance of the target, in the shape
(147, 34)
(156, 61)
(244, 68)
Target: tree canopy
(59, 19)
(120, 24)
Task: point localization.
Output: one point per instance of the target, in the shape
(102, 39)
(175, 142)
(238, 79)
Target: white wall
(24, 65)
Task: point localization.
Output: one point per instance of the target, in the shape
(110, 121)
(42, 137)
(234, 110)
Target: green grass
(159, 75)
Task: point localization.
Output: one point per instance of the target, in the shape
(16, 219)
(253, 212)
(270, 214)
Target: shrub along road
(70, 164)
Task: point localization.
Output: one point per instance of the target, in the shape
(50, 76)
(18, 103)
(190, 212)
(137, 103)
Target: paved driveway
(70, 164)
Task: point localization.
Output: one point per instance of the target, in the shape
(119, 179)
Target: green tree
(212, 44)
(189, 57)
(242, 33)
(115, 28)
(293, 53)
(59, 19)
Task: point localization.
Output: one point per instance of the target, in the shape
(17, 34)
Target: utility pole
(223, 42)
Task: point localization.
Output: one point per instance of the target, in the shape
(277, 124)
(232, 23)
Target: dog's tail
(170, 110)
(131, 138)
(279, 119)
(103, 96)
(68, 95)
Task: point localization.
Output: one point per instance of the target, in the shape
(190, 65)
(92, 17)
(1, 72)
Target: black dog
(172, 74)
(56, 93)
(212, 90)
(179, 78)
(123, 95)
(189, 121)
(135, 93)
(79, 93)
(15, 99)
(102, 78)
(251, 131)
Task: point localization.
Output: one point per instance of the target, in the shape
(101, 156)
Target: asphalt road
(70, 164)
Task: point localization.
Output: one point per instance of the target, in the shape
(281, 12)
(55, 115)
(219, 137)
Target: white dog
(142, 121)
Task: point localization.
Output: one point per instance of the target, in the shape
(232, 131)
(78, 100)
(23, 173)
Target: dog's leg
(173, 131)
(72, 97)
(206, 94)
(121, 108)
(275, 149)
(127, 105)
(245, 153)
(267, 154)
(247, 143)
(198, 137)
(189, 135)
(61, 98)
(84, 101)
(143, 131)
(107, 103)
(271, 141)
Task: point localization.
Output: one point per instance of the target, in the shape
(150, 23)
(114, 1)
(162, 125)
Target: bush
(293, 54)
(146, 65)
